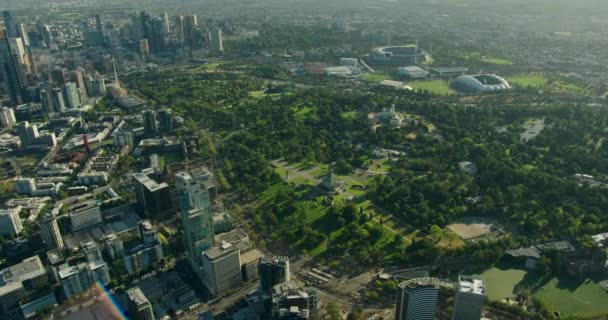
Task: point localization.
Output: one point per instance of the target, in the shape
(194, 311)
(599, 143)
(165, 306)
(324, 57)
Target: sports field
(572, 298)
(500, 283)
(433, 86)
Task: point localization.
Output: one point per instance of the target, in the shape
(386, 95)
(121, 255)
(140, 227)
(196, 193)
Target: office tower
(165, 18)
(27, 133)
(85, 215)
(46, 98)
(113, 246)
(9, 24)
(23, 34)
(179, 28)
(215, 40)
(98, 24)
(150, 125)
(58, 101)
(10, 223)
(78, 278)
(144, 48)
(77, 76)
(93, 38)
(273, 271)
(139, 306)
(190, 25)
(197, 218)
(98, 87)
(7, 117)
(49, 231)
(139, 256)
(152, 196)
(470, 298)
(221, 268)
(47, 37)
(13, 72)
(155, 35)
(18, 49)
(417, 299)
(71, 95)
(164, 120)
(58, 77)
(17, 282)
(122, 138)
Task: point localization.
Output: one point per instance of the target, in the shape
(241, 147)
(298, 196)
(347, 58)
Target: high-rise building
(10, 223)
(98, 24)
(144, 47)
(139, 306)
(17, 281)
(152, 196)
(145, 254)
(7, 117)
(9, 24)
(156, 35)
(470, 298)
(164, 120)
(13, 72)
(149, 118)
(85, 215)
(221, 268)
(123, 138)
(46, 98)
(25, 186)
(113, 246)
(47, 37)
(417, 299)
(28, 134)
(165, 18)
(58, 101)
(58, 76)
(215, 41)
(19, 51)
(179, 28)
(196, 214)
(78, 278)
(273, 271)
(190, 26)
(71, 95)
(49, 231)
(23, 34)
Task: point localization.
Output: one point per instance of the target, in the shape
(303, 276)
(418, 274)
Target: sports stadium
(482, 83)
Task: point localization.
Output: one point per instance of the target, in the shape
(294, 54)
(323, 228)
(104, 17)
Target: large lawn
(536, 81)
(375, 77)
(572, 298)
(433, 86)
(498, 61)
(500, 283)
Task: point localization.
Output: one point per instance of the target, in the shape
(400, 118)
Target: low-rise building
(17, 281)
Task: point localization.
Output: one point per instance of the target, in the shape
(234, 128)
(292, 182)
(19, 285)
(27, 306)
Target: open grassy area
(375, 77)
(433, 86)
(573, 298)
(536, 81)
(500, 283)
(497, 61)
(350, 115)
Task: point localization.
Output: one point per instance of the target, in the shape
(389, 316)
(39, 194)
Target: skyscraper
(164, 120)
(139, 306)
(58, 101)
(10, 223)
(46, 98)
(215, 41)
(190, 25)
(7, 117)
(165, 18)
(13, 71)
(71, 95)
(47, 37)
(273, 271)
(417, 299)
(58, 76)
(197, 218)
(23, 34)
(18, 49)
(150, 125)
(49, 231)
(9, 24)
(470, 298)
(179, 28)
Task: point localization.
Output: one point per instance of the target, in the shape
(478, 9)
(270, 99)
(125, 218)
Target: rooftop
(150, 184)
(471, 284)
(11, 277)
(137, 296)
(419, 282)
(220, 251)
(251, 256)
